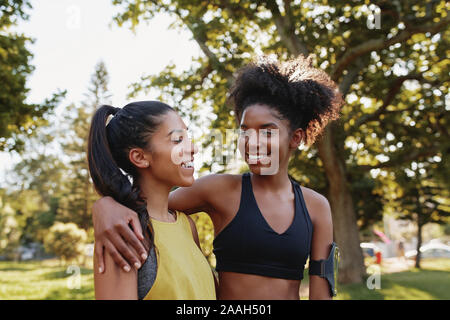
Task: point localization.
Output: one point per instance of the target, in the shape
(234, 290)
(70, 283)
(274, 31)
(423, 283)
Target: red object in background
(378, 256)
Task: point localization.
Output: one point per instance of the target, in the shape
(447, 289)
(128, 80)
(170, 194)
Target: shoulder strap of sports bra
(246, 183)
(246, 192)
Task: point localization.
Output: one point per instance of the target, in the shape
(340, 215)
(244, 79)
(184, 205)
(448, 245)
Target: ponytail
(101, 163)
(109, 179)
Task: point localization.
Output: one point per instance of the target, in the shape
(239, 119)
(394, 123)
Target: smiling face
(265, 139)
(170, 155)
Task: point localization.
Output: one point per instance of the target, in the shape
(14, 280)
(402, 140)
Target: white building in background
(399, 230)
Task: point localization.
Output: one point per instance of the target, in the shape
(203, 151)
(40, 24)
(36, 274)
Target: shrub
(66, 240)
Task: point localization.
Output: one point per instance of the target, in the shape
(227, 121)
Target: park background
(383, 165)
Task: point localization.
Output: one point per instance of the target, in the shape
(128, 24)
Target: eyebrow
(270, 124)
(176, 130)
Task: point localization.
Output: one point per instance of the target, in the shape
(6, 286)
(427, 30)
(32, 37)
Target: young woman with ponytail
(266, 225)
(136, 155)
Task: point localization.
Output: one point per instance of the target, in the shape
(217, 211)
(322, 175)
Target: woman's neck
(157, 197)
(273, 183)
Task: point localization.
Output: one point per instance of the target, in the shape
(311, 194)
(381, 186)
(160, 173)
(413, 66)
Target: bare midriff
(240, 286)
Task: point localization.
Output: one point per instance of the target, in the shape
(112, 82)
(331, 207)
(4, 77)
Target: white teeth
(252, 157)
(189, 164)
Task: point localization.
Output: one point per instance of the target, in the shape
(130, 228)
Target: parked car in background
(430, 250)
(369, 249)
(31, 251)
(25, 253)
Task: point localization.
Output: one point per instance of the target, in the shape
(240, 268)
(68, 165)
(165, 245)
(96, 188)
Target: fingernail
(137, 265)
(144, 256)
(126, 268)
(100, 269)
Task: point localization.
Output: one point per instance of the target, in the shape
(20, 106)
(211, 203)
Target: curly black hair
(304, 95)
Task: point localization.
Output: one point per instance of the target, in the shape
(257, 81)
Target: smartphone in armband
(327, 268)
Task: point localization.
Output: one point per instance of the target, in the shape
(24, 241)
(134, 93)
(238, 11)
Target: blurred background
(384, 165)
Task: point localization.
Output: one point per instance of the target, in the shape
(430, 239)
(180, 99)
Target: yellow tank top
(183, 273)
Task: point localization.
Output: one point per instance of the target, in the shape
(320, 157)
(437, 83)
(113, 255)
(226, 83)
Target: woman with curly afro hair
(266, 225)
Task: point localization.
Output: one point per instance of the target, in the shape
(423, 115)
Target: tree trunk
(419, 242)
(345, 229)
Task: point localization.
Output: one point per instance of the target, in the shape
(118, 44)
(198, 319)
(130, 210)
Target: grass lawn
(44, 280)
(49, 280)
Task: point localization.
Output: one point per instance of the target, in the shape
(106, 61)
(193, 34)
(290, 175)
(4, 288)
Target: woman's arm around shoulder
(204, 194)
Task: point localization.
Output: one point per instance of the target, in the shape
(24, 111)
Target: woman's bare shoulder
(114, 283)
(223, 193)
(317, 205)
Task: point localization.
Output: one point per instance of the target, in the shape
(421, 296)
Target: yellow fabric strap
(183, 272)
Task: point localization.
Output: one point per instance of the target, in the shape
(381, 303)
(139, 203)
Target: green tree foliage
(393, 74)
(66, 240)
(18, 118)
(423, 198)
(37, 178)
(79, 195)
(9, 231)
(52, 184)
(20, 212)
(205, 231)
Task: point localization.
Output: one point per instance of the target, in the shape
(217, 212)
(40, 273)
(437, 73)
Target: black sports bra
(249, 245)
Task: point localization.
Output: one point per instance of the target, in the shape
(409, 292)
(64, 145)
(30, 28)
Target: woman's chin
(186, 177)
(261, 169)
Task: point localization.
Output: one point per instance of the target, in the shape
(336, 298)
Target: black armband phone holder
(327, 268)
